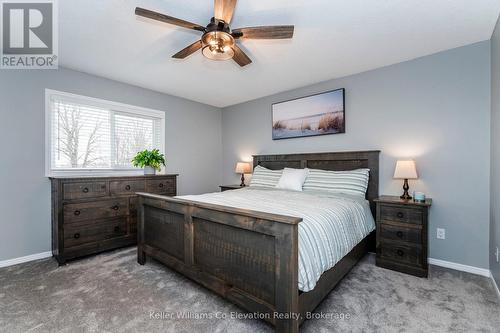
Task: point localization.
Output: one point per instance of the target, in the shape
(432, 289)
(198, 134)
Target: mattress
(333, 224)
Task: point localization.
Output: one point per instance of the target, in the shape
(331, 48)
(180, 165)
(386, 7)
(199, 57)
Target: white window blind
(87, 134)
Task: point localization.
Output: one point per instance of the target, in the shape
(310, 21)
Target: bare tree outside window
(80, 150)
(131, 136)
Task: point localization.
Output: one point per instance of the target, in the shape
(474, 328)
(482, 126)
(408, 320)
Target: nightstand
(230, 187)
(402, 231)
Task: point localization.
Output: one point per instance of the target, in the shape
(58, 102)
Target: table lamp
(243, 167)
(405, 170)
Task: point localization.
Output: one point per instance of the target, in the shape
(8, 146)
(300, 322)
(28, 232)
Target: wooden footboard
(248, 257)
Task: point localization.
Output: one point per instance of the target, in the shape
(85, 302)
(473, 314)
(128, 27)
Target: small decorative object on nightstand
(402, 229)
(229, 187)
(243, 167)
(405, 170)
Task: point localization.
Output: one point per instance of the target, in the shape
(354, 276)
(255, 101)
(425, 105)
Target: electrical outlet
(497, 254)
(441, 233)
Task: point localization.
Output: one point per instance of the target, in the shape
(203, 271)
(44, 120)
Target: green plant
(151, 158)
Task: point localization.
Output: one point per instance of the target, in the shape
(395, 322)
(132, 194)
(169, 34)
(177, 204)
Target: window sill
(95, 173)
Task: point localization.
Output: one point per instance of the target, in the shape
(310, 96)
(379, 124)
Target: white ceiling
(333, 38)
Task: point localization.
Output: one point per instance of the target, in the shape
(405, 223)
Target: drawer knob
(76, 236)
(115, 207)
(117, 229)
(160, 185)
(400, 215)
(77, 212)
(399, 234)
(85, 190)
(127, 187)
(400, 253)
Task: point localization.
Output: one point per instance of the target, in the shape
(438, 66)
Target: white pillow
(292, 179)
(263, 177)
(353, 182)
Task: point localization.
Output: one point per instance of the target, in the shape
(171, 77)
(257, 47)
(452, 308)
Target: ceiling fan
(218, 41)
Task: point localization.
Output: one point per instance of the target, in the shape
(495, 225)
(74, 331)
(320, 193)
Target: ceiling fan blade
(188, 50)
(265, 32)
(240, 57)
(167, 19)
(224, 10)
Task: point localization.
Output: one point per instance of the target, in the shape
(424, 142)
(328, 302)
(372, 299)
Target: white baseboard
(460, 267)
(20, 260)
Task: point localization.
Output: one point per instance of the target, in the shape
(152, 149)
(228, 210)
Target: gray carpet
(112, 293)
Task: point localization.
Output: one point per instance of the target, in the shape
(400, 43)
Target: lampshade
(405, 170)
(243, 167)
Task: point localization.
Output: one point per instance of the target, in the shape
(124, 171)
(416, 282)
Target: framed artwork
(318, 114)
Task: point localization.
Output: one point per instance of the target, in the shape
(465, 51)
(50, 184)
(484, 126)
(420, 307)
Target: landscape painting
(308, 116)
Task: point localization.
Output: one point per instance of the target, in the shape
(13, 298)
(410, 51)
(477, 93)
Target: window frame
(100, 103)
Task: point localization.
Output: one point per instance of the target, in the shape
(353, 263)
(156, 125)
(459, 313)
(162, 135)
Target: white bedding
(332, 223)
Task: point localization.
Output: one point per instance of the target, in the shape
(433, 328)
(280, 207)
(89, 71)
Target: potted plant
(150, 160)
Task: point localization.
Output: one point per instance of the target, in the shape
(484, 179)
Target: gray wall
(435, 109)
(193, 147)
(495, 153)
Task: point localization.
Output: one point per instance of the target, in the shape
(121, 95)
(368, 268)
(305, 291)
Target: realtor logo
(29, 34)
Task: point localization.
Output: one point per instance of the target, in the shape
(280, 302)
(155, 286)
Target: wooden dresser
(91, 215)
(402, 235)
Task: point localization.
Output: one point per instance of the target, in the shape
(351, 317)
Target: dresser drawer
(161, 186)
(121, 187)
(84, 190)
(78, 235)
(407, 254)
(400, 214)
(95, 210)
(399, 233)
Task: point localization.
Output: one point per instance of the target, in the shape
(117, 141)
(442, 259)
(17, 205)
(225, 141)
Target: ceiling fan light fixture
(218, 45)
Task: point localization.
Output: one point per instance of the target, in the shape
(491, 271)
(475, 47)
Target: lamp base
(406, 197)
(242, 180)
(406, 187)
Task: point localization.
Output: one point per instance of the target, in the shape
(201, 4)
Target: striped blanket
(332, 223)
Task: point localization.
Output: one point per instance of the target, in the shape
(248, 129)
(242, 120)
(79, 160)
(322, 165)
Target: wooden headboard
(328, 161)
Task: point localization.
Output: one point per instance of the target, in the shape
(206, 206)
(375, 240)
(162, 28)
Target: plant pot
(148, 171)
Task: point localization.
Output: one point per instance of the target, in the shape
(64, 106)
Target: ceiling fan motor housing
(217, 25)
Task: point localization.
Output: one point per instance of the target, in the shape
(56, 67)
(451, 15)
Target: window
(87, 135)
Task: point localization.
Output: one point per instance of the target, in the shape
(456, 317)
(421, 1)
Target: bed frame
(248, 257)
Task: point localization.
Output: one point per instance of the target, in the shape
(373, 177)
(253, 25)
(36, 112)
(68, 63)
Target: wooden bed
(248, 257)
